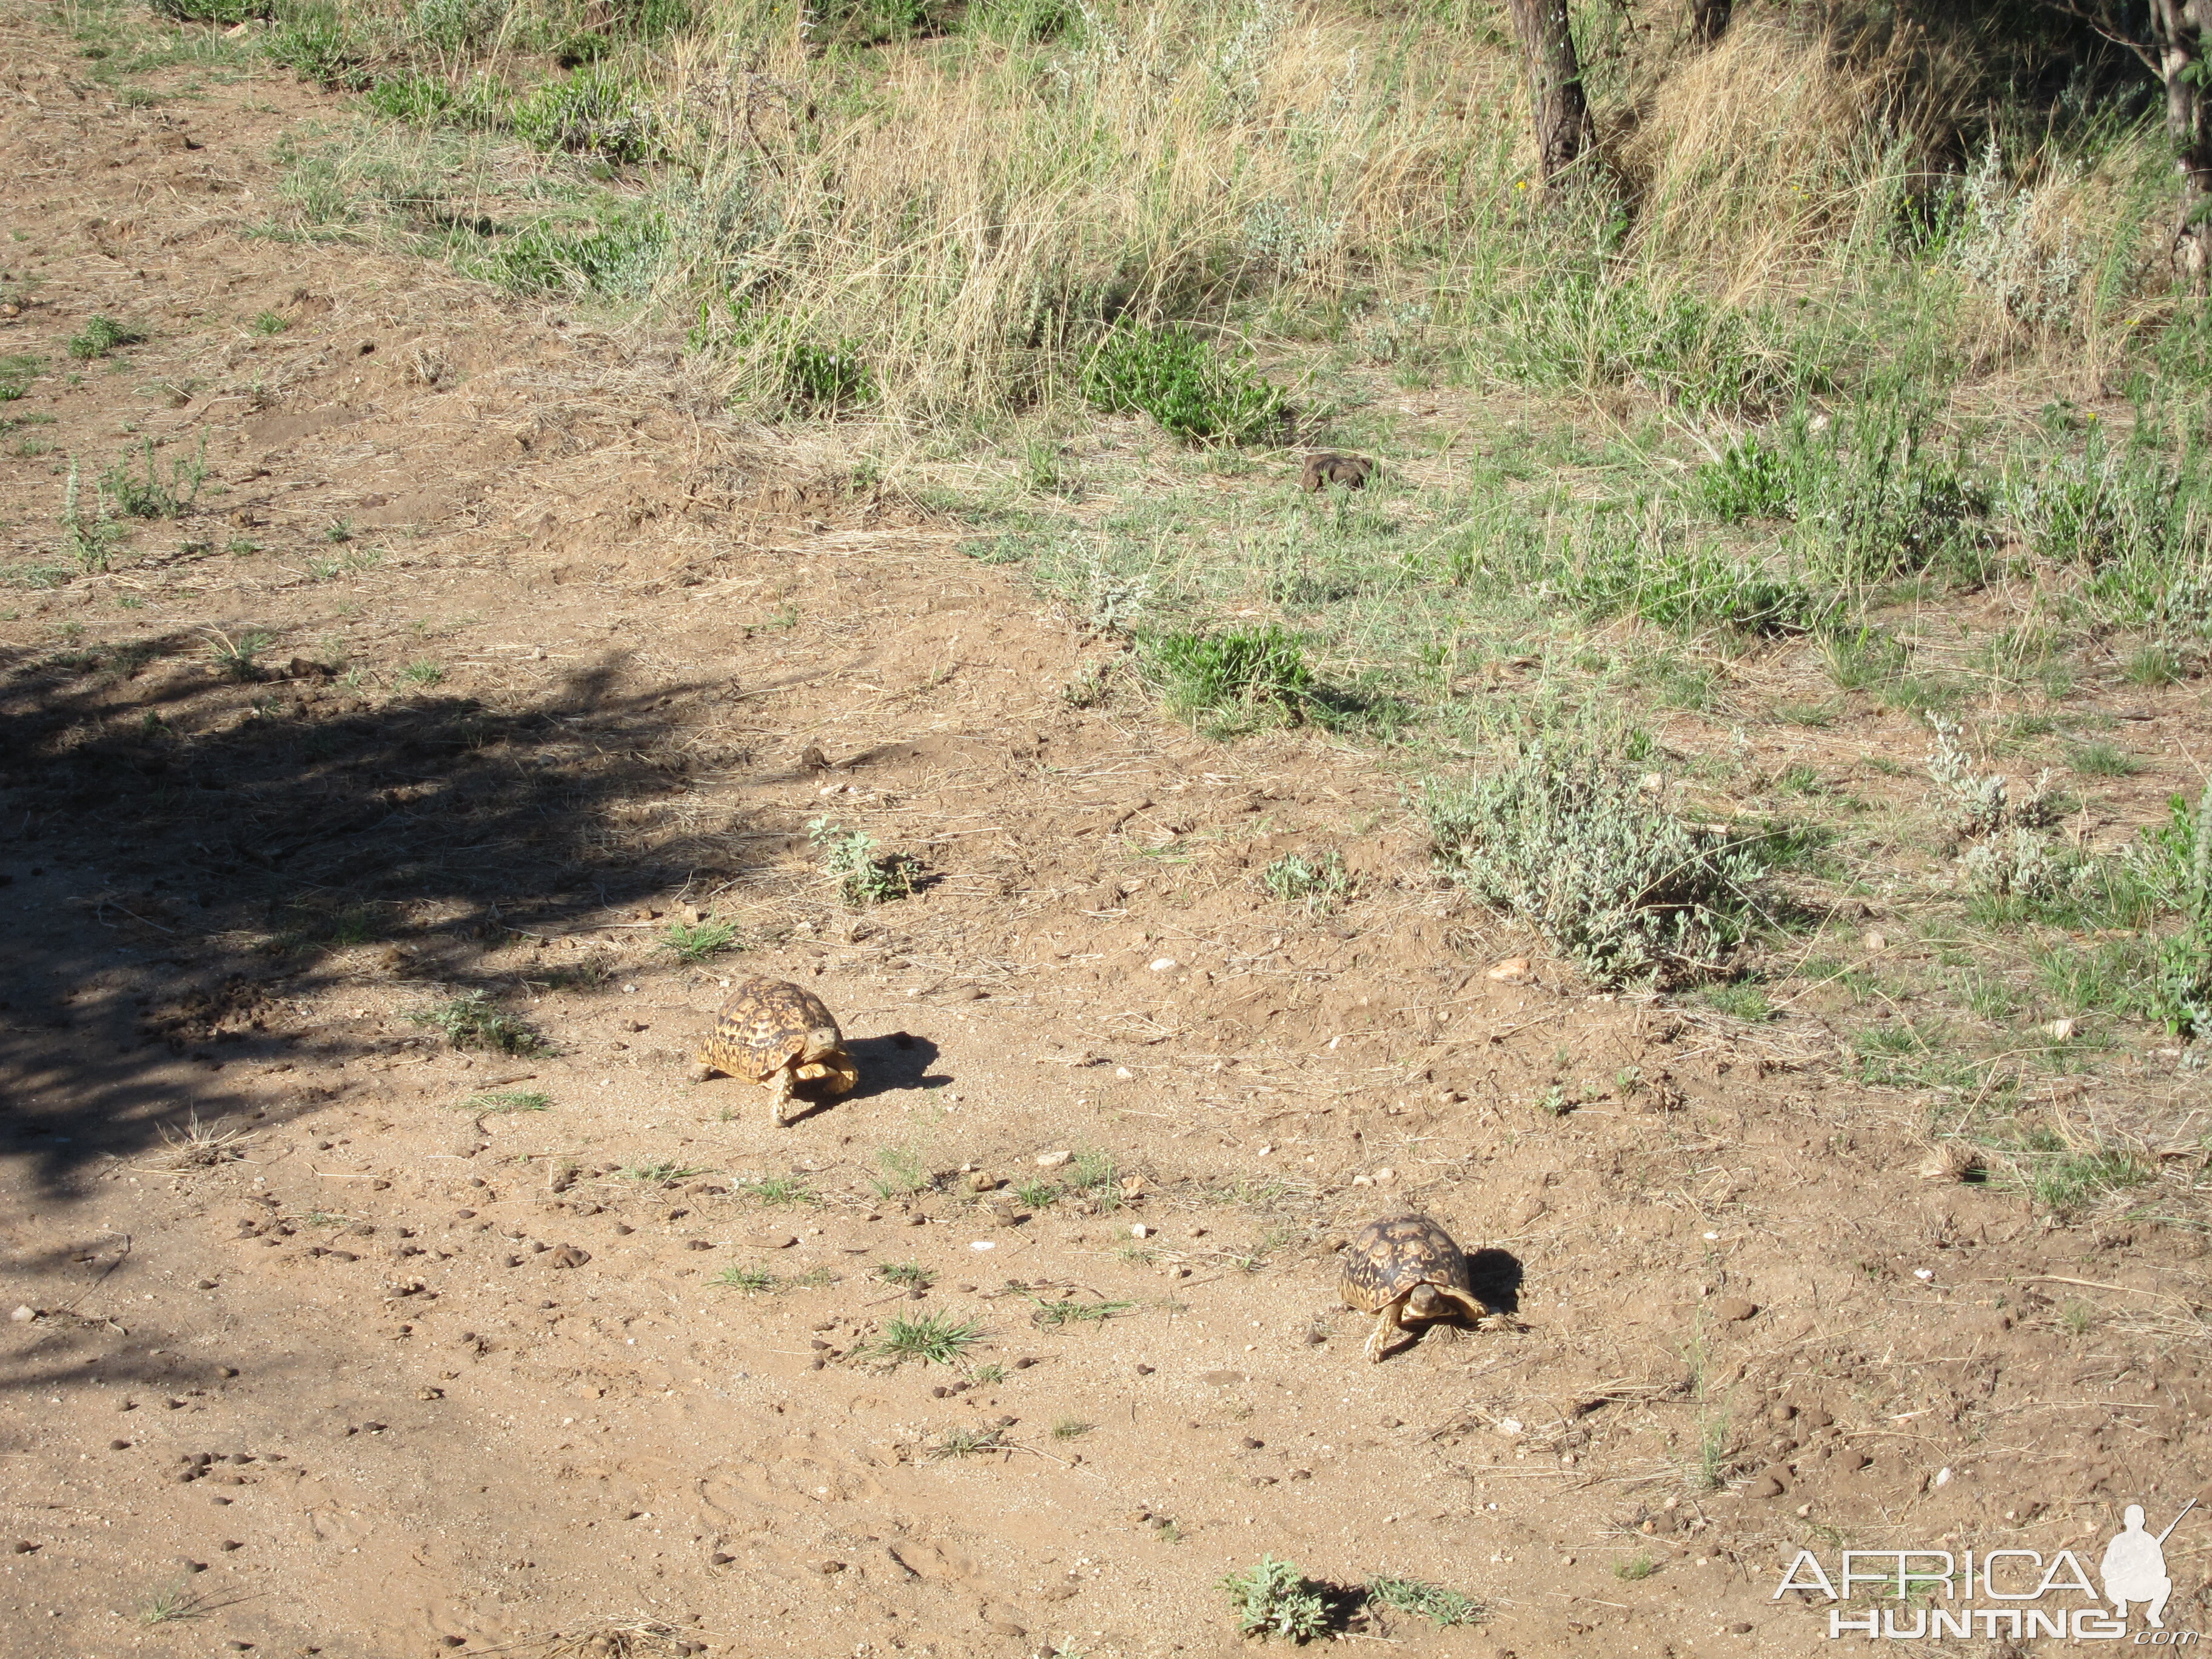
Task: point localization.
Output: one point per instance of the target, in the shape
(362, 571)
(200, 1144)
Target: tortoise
(775, 1032)
(1328, 467)
(1406, 1267)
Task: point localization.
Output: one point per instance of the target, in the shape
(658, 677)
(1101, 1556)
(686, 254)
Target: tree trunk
(2178, 34)
(1555, 83)
(1708, 20)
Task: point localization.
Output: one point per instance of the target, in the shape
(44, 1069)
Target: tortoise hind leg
(1386, 1326)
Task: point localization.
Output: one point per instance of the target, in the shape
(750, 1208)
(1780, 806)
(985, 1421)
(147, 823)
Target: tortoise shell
(1392, 1257)
(768, 1024)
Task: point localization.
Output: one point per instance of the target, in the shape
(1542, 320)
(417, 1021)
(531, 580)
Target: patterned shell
(765, 1026)
(1386, 1259)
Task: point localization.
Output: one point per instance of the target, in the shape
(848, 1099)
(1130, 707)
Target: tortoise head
(1432, 1302)
(830, 1063)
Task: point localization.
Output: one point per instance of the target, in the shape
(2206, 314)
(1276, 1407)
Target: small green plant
(153, 496)
(1273, 1598)
(1567, 835)
(2077, 1316)
(662, 1172)
(746, 1278)
(595, 112)
(825, 380)
(1232, 675)
(2182, 995)
(234, 657)
(1184, 383)
(422, 672)
(171, 1605)
(1319, 881)
(1713, 1461)
(316, 46)
(902, 1174)
(91, 540)
(969, 1442)
(2068, 1180)
(1055, 1314)
(933, 1339)
(338, 531)
(1072, 1428)
(16, 373)
(472, 1020)
(1741, 1000)
(696, 941)
(864, 874)
(268, 322)
(2103, 760)
(1441, 1606)
(1635, 1568)
(102, 335)
(497, 1101)
(906, 1275)
(2154, 665)
(1557, 1101)
(1037, 1193)
(779, 1190)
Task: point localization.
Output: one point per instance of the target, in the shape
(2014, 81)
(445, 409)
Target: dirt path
(309, 1355)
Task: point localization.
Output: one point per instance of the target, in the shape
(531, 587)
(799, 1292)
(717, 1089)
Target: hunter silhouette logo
(2134, 1567)
(2023, 1593)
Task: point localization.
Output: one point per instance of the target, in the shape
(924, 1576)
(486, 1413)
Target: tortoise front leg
(779, 1096)
(1386, 1326)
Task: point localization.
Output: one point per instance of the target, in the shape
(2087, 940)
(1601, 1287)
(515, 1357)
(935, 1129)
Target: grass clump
(1441, 1606)
(696, 941)
(864, 874)
(496, 1101)
(1567, 836)
(969, 1442)
(751, 1280)
(1635, 1568)
(1230, 677)
(102, 337)
(1273, 1598)
(906, 1275)
(779, 1190)
(595, 112)
(1318, 881)
(2181, 995)
(933, 1339)
(1183, 382)
(902, 1174)
(152, 496)
(662, 1172)
(472, 1020)
(236, 656)
(317, 47)
(1056, 1316)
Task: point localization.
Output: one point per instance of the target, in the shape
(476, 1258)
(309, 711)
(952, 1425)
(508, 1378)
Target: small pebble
(119, 1445)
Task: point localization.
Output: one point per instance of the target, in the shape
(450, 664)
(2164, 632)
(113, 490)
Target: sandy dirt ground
(313, 1350)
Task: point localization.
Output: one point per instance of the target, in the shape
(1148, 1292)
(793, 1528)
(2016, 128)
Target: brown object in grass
(1328, 467)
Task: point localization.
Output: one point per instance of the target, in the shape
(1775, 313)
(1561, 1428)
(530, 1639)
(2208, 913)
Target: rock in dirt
(1514, 970)
(1733, 1309)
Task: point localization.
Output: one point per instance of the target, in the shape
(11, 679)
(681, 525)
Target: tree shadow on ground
(221, 842)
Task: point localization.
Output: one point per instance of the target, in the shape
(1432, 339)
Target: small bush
(2182, 997)
(1273, 1598)
(1233, 671)
(101, 336)
(617, 255)
(696, 941)
(1749, 481)
(594, 112)
(152, 496)
(824, 379)
(1441, 1606)
(320, 49)
(1319, 882)
(1566, 836)
(933, 1339)
(1183, 382)
(472, 1021)
(509, 1100)
(228, 13)
(234, 655)
(864, 874)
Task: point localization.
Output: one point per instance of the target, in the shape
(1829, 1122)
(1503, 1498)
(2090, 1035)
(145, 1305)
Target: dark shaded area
(1495, 1276)
(175, 806)
(896, 1061)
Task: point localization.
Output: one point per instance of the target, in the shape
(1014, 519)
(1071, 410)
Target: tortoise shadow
(892, 1063)
(1495, 1276)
